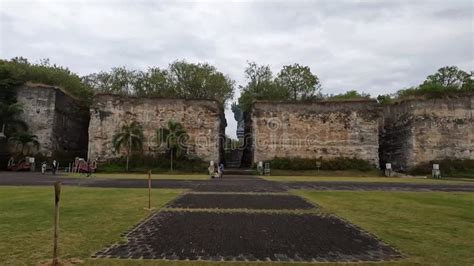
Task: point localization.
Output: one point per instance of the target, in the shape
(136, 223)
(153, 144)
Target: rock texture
(59, 120)
(315, 129)
(203, 120)
(415, 132)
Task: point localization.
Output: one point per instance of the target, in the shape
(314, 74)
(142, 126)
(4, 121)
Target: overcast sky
(373, 46)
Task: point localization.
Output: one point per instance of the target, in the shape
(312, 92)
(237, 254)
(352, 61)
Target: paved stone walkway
(229, 223)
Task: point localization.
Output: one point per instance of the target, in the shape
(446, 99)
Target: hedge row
(340, 163)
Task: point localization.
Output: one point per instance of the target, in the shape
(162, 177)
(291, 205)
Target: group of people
(216, 171)
(54, 167)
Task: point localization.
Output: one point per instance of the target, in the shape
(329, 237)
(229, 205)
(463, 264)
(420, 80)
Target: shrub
(448, 167)
(160, 163)
(340, 163)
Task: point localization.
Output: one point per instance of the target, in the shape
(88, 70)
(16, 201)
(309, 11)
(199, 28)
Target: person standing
(54, 167)
(43, 167)
(211, 169)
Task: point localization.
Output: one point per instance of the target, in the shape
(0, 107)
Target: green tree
(119, 80)
(201, 81)
(260, 86)
(25, 140)
(18, 71)
(174, 137)
(447, 81)
(154, 82)
(130, 137)
(449, 76)
(384, 99)
(298, 81)
(180, 80)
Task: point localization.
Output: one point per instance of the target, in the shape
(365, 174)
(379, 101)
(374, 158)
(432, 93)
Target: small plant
(130, 137)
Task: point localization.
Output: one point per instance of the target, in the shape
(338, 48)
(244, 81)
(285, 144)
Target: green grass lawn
(90, 218)
(433, 228)
(190, 176)
(347, 178)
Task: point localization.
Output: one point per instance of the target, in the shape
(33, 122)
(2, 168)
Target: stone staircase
(238, 171)
(233, 164)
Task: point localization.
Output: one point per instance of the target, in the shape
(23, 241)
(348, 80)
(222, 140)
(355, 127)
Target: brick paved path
(247, 219)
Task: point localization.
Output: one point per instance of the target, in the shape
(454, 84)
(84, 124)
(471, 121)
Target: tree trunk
(129, 150)
(171, 160)
(126, 166)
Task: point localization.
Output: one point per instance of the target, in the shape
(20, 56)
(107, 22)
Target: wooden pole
(57, 197)
(149, 189)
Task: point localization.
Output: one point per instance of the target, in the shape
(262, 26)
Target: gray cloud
(372, 46)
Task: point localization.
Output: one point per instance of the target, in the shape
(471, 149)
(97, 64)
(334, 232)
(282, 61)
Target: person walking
(221, 170)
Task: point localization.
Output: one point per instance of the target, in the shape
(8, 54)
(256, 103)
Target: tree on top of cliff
(201, 81)
(260, 86)
(448, 81)
(18, 70)
(450, 76)
(299, 81)
(180, 80)
(294, 82)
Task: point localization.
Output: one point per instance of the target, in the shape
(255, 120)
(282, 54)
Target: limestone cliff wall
(203, 120)
(38, 113)
(419, 131)
(59, 120)
(316, 129)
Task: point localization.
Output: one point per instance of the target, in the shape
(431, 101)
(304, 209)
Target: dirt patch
(240, 201)
(249, 236)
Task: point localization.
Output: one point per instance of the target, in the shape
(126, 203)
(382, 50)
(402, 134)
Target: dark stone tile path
(240, 201)
(210, 233)
(249, 236)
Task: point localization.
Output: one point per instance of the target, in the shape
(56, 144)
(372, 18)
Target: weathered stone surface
(419, 131)
(315, 129)
(59, 120)
(203, 120)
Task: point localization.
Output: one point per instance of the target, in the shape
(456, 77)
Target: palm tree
(130, 137)
(174, 137)
(8, 118)
(26, 140)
